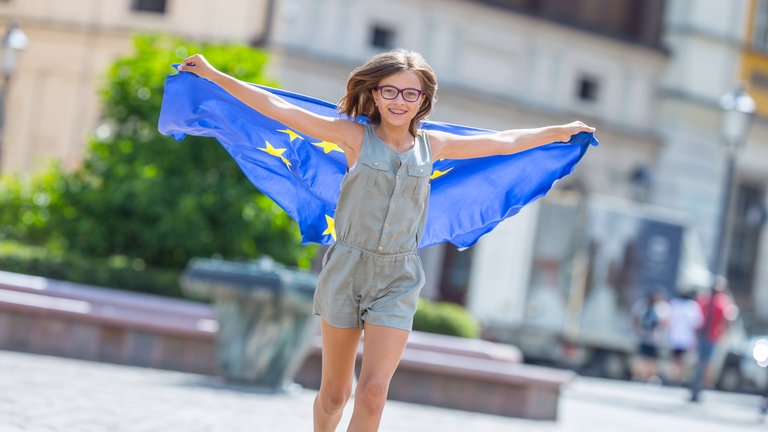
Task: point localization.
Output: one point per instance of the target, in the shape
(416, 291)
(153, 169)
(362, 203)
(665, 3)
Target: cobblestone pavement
(41, 393)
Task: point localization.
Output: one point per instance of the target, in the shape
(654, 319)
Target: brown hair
(359, 102)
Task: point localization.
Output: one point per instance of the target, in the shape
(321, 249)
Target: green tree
(145, 196)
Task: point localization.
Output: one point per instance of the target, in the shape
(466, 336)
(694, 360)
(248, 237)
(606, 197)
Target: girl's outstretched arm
(449, 146)
(346, 133)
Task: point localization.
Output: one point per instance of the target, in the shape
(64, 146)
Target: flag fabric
(303, 175)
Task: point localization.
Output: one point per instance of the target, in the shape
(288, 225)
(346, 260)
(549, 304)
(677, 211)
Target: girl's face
(399, 97)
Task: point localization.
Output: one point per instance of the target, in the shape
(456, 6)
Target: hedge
(445, 318)
(114, 272)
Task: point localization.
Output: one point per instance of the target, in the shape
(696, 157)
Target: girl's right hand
(198, 65)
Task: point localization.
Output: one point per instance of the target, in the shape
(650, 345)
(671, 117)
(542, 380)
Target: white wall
(53, 105)
(221, 20)
(487, 53)
(501, 268)
(705, 38)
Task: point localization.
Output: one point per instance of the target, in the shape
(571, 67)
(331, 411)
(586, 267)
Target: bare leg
(382, 350)
(676, 370)
(641, 369)
(339, 353)
(653, 369)
(709, 376)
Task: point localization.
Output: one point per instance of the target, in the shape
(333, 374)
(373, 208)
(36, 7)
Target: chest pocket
(418, 180)
(377, 171)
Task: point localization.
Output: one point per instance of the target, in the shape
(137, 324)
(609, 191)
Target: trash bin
(264, 311)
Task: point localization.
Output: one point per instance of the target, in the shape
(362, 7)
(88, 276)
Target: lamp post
(738, 112)
(14, 42)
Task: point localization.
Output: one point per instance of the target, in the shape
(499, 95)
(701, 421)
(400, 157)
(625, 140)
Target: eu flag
(303, 175)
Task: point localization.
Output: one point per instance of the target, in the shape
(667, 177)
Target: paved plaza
(41, 393)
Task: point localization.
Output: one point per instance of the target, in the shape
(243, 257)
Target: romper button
(421, 170)
(376, 163)
(397, 177)
(380, 248)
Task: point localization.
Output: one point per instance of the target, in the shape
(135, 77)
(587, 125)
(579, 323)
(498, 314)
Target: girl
(372, 274)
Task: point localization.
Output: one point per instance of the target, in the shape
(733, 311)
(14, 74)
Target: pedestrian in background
(650, 315)
(685, 320)
(718, 310)
(372, 274)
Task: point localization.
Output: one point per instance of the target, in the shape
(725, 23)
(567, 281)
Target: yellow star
(438, 173)
(276, 152)
(328, 147)
(291, 134)
(331, 227)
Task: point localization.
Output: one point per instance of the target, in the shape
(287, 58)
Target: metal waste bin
(264, 311)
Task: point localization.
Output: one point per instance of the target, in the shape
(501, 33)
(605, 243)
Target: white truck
(592, 259)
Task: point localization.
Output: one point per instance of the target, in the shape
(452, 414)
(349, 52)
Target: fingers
(190, 64)
(582, 127)
(575, 128)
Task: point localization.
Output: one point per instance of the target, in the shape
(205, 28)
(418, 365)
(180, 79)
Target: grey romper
(373, 273)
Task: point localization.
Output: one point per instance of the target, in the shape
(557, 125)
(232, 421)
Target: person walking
(650, 315)
(372, 274)
(718, 310)
(685, 320)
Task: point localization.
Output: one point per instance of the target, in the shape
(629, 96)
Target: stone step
(52, 317)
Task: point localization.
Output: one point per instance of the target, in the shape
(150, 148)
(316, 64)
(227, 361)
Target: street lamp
(14, 42)
(738, 113)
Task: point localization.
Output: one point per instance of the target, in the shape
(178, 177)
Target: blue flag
(303, 175)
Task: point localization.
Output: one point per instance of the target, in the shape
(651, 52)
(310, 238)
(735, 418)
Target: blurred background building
(648, 74)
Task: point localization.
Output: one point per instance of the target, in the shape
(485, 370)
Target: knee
(372, 394)
(333, 400)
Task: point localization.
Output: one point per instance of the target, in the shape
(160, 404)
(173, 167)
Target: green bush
(116, 272)
(445, 318)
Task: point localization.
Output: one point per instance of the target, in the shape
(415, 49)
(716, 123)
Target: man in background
(718, 310)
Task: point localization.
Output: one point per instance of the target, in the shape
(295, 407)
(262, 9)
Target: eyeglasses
(389, 92)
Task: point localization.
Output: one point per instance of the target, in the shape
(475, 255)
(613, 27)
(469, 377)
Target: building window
(154, 6)
(760, 27)
(587, 89)
(382, 37)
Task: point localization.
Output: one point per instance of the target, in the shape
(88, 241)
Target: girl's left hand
(573, 128)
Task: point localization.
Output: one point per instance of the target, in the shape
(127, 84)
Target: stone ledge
(129, 308)
(58, 318)
(464, 374)
(480, 385)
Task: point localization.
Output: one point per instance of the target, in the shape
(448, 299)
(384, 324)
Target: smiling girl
(372, 274)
